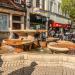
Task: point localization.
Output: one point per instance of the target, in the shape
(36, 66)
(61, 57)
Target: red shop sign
(60, 25)
(56, 25)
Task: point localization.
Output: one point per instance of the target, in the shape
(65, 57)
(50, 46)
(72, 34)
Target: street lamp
(28, 6)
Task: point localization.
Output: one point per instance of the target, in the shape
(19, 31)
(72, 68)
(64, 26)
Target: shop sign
(56, 25)
(60, 25)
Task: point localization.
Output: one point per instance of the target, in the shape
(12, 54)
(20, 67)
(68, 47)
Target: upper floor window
(55, 7)
(59, 7)
(43, 4)
(17, 1)
(37, 3)
(51, 6)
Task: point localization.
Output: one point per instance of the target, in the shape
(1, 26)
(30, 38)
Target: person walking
(61, 36)
(52, 33)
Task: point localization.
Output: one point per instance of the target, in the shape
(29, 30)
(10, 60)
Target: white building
(51, 9)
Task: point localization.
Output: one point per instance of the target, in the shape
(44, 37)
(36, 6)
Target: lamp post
(28, 6)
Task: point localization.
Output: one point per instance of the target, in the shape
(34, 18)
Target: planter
(43, 44)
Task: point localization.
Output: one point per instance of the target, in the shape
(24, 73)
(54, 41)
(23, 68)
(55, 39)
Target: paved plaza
(37, 64)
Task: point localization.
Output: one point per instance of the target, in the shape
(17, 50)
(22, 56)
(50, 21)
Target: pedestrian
(49, 32)
(43, 36)
(37, 35)
(52, 33)
(61, 36)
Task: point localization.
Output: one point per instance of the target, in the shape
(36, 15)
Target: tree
(68, 7)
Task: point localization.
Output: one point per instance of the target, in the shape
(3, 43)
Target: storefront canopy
(59, 25)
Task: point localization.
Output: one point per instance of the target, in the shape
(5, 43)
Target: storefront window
(37, 21)
(4, 21)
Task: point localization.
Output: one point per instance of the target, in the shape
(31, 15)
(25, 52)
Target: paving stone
(38, 64)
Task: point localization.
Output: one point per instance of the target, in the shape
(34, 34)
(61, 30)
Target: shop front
(11, 19)
(61, 27)
(59, 22)
(37, 21)
(58, 26)
(11, 15)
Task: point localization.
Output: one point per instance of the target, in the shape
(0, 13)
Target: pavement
(28, 63)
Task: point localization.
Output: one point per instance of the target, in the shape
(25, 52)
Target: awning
(59, 25)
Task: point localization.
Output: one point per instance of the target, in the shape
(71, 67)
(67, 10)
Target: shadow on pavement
(25, 70)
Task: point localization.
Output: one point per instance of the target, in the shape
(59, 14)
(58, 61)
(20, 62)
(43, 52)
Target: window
(17, 1)
(51, 6)
(59, 6)
(4, 21)
(37, 3)
(43, 4)
(37, 21)
(16, 26)
(55, 7)
(16, 22)
(17, 18)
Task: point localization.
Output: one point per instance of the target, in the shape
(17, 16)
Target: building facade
(51, 9)
(11, 15)
(38, 15)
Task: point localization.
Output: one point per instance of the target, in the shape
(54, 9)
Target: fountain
(17, 43)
